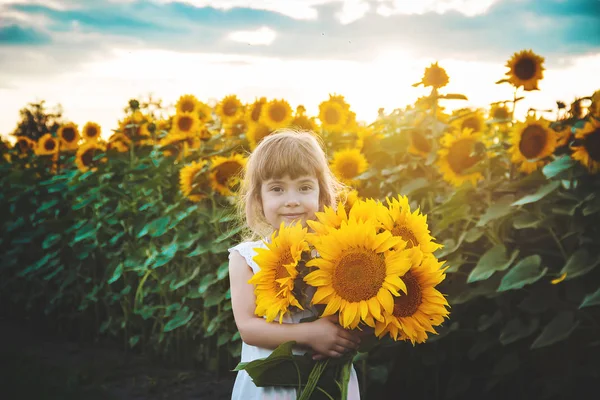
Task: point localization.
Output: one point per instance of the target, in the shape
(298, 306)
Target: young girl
(287, 179)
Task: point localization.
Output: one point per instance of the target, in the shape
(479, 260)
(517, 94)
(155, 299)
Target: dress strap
(246, 250)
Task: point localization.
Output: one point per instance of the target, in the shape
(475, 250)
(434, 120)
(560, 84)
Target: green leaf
(516, 329)
(223, 271)
(166, 255)
(87, 231)
(592, 207)
(182, 317)
(79, 204)
(116, 273)
(526, 220)
(47, 205)
(579, 264)
(228, 234)
(134, 340)
(51, 240)
(560, 328)
(155, 228)
(592, 299)
(540, 194)
(199, 250)
(453, 96)
(557, 166)
(413, 186)
(213, 297)
(176, 285)
(493, 260)
(206, 282)
(527, 271)
(223, 338)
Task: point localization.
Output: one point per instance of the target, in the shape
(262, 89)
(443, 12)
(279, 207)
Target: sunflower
(255, 110)
(588, 153)
(86, 156)
(532, 141)
(69, 136)
(435, 76)
(466, 118)
(410, 226)
(229, 109)
(348, 164)
(225, 173)
(278, 271)
(357, 273)
(563, 135)
(351, 198)
(118, 142)
(204, 112)
(193, 181)
(136, 132)
(499, 113)
(256, 133)
(305, 123)
(420, 144)
(237, 127)
(187, 124)
(456, 157)
(422, 307)
(276, 114)
(525, 70)
(328, 219)
(187, 104)
(367, 139)
(333, 116)
(595, 106)
(179, 145)
(46, 145)
(25, 145)
(91, 132)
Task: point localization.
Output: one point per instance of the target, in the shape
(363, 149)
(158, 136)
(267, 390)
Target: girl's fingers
(349, 336)
(347, 344)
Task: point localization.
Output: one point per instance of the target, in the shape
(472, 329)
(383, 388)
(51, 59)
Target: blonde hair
(289, 152)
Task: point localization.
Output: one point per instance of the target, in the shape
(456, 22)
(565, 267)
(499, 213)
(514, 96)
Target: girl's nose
(292, 203)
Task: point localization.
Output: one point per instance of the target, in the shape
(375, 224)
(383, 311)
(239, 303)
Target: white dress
(244, 388)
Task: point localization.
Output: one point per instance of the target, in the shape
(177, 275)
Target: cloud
(15, 35)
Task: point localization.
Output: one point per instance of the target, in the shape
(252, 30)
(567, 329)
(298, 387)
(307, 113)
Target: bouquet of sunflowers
(371, 264)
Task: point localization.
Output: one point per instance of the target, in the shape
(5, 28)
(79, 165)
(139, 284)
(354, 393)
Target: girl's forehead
(288, 179)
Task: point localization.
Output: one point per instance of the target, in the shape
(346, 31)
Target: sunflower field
(125, 234)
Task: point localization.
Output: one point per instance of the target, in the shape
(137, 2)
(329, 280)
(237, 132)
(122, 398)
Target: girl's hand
(328, 339)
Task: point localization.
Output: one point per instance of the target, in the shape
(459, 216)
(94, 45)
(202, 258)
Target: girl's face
(288, 200)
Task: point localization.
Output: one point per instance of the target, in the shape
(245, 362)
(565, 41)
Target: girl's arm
(324, 336)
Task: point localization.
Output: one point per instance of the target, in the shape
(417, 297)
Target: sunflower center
(261, 132)
(525, 69)
(406, 305)
(184, 124)
(226, 171)
(88, 157)
(435, 77)
(49, 145)
(187, 106)
(471, 123)
(238, 128)
(420, 142)
(332, 116)
(68, 134)
(459, 155)
(92, 131)
(359, 275)
(256, 111)
(348, 168)
(406, 234)
(501, 113)
(277, 113)
(23, 146)
(592, 145)
(230, 108)
(533, 141)
(280, 271)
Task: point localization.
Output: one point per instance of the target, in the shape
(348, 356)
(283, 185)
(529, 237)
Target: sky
(92, 56)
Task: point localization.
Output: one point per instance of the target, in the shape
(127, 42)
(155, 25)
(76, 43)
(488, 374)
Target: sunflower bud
(134, 104)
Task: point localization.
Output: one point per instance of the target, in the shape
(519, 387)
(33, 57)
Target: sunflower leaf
(527, 271)
(540, 194)
(183, 316)
(493, 260)
(557, 166)
(592, 299)
(578, 264)
(453, 96)
(499, 209)
(516, 329)
(560, 328)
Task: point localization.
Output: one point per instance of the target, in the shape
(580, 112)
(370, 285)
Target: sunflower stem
(558, 243)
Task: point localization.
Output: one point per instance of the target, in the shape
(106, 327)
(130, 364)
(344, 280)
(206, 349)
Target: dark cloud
(553, 28)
